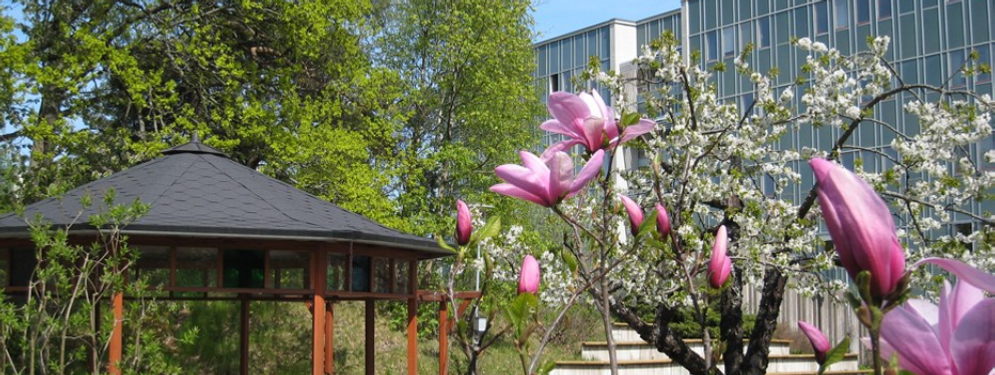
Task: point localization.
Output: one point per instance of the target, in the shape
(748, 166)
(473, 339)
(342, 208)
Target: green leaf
(569, 259)
(443, 244)
(648, 225)
(490, 229)
(631, 118)
(546, 367)
(835, 354)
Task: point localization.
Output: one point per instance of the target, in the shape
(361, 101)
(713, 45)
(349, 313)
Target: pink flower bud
(720, 266)
(662, 221)
(819, 342)
(528, 280)
(464, 223)
(635, 213)
(861, 227)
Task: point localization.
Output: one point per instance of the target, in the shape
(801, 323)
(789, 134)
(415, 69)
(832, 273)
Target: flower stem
(876, 350)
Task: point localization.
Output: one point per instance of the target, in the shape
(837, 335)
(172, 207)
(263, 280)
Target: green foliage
(56, 326)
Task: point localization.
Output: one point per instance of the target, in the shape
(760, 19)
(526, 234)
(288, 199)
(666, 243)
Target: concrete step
(793, 364)
(641, 350)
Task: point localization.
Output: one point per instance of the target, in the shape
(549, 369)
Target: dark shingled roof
(196, 190)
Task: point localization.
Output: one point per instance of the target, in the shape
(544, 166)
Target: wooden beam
(329, 338)
(443, 338)
(244, 337)
(370, 337)
(116, 334)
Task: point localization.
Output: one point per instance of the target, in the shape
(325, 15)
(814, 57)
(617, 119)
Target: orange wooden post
(412, 336)
(243, 336)
(318, 275)
(443, 337)
(370, 339)
(116, 334)
(318, 335)
(329, 339)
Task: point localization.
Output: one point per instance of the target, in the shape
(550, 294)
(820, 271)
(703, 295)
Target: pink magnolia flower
(635, 213)
(464, 225)
(720, 266)
(860, 225)
(546, 180)
(662, 221)
(955, 338)
(819, 342)
(588, 121)
(528, 280)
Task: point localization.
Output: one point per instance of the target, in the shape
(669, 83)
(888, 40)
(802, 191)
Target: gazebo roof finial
(196, 137)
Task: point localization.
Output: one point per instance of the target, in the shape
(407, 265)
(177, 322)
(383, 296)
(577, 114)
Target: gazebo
(219, 230)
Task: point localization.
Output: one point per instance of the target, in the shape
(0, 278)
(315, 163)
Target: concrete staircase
(637, 357)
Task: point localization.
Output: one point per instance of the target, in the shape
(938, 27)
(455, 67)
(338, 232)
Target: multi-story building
(930, 41)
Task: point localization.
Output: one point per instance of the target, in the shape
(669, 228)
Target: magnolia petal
(719, 266)
(600, 105)
(973, 346)
(516, 192)
(521, 177)
(955, 302)
(981, 279)
(631, 132)
(594, 128)
(591, 170)
(555, 126)
(561, 169)
(913, 338)
(568, 109)
(592, 104)
(561, 146)
(535, 164)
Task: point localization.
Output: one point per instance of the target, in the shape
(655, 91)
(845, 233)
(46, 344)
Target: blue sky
(558, 17)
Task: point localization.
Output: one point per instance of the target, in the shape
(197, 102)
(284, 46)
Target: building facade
(930, 41)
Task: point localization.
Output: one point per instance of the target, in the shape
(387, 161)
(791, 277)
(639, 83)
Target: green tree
(468, 102)
(284, 86)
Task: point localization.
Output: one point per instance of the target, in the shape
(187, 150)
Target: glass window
(712, 46)
(289, 270)
(956, 59)
(336, 272)
(401, 268)
(360, 274)
(728, 42)
(243, 268)
(763, 32)
(196, 267)
(821, 18)
(884, 9)
(933, 64)
(746, 34)
(842, 14)
(381, 275)
(984, 57)
(4, 266)
(153, 265)
(863, 12)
